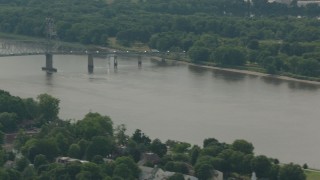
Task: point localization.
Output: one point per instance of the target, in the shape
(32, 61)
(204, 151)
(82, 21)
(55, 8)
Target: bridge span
(26, 48)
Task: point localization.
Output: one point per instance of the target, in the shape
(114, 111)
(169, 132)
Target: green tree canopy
(94, 124)
(227, 55)
(291, 171)
(243, 146)
(48, 107)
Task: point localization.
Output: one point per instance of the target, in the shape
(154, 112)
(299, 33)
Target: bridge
(10, 47)
(51, 46)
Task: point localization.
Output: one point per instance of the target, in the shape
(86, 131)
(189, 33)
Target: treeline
(16, 113)
(101, 150)
(270, 37)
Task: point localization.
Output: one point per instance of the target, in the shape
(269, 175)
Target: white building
(156, 173)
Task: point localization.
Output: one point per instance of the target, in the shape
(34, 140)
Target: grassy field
(312, 175)
(134, 47)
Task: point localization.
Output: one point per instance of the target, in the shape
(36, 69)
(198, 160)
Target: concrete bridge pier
(90, 63)
(49, 64)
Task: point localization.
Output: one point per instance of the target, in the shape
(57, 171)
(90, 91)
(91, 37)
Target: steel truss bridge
(50, 48)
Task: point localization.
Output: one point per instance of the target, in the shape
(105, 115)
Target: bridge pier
(49, 64)
(90, 63)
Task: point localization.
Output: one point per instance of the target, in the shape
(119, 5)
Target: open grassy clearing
(312, 174)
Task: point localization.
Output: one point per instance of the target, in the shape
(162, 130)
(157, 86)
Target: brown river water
(179, 102)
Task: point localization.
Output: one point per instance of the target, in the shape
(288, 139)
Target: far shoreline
(244, 72)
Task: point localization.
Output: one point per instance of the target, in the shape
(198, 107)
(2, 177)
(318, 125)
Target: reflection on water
(303, 86)
(164, 63)
(49, 78)
(295, 85)
(272, 80)
(197, 70)
(228, 76)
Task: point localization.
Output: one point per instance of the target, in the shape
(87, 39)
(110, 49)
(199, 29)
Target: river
(179, 102)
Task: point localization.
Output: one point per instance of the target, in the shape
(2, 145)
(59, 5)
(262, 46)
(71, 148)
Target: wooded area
(270, 37)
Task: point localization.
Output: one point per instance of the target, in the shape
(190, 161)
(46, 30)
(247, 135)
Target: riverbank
(255, 73)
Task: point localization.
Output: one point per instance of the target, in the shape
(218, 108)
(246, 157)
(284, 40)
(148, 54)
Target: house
(218, 175)
(156, 173)
(149, 158)
(304, 3)
(66, 160)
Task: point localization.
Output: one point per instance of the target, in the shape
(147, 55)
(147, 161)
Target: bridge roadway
(94, 53)
(91, 54)
(50, 48)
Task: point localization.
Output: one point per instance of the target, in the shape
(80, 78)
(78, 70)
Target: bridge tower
(51, 34)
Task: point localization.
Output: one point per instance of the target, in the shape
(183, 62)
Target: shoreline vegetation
(303, 79)
(250, 71)
(272, 38)
(142, 47)
(94, 148)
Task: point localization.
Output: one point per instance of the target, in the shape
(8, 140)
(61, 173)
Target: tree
(22, 163)
(94, 170)
(74, 151)
(98, 159)
(181, 147)
(253, 44)
(32, 107)
(232, 56)
(122, 170)
(140, 137)
(3, 157)
(210, 141)
(204, 171)
(127, 164)
(13, 174)
(291, 172)
(99, 145)
(40, 160)
(62, 143)
(12, 104)
(309, 67)
(46, 147)
(48, 107)
(4, 174)
(29, 173)
(2, 135)
(94, 124)
(176, 176)
(179, 167)
(120, 135)
(158, 147)
(305, 166)
(243, 146)
(84, 175)
(73, 168)
(212, 150)
(9, 122)
(195, 151)
(198, 54)
(261, 165)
